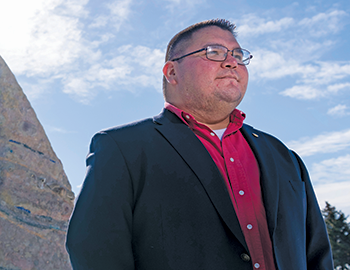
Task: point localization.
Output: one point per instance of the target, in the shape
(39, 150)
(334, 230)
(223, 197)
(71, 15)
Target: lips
(228, 77)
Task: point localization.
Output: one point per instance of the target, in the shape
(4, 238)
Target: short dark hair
(186, 35)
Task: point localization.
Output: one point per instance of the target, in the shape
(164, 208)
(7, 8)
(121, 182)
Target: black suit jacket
(154, 199)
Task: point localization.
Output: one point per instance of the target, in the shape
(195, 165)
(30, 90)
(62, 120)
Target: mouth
(230, 77)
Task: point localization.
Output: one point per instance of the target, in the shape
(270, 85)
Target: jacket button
(245, 257)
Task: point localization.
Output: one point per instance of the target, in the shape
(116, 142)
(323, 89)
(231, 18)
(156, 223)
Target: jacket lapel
(269, 179)
(189, 147)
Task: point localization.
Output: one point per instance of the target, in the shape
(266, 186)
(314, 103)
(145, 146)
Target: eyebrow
(218, 44)
(213, 44)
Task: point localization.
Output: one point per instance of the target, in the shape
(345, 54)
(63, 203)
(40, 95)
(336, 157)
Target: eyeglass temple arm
(176, 59)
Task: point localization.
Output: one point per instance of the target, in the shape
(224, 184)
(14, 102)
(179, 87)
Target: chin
(233, 99)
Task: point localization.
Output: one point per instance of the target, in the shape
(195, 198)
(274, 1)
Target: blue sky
(88, 65)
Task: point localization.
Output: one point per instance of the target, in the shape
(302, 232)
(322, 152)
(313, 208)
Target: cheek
(201, 78)
(245, 75)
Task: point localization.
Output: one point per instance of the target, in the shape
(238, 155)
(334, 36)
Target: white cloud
(52, 129)
(255, 25)
(50, 44)
(336, 87)
(279, 62)
(120, 11)
(314, 79)
(337, 194)
(38, 90)
(293, 48)
(331, 170)
(99, 21)
(324, 143)
(81, 85)
(268, 64)
(331, 182)
(318, 80)
(339, 110)
(182, 6)
(323, 23)
(303, 92)
(78, 88)
(143, 69)
(327, 73)
(47, 37)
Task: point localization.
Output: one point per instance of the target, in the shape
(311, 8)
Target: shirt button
(245, 257)
(232, 160)
(212, 133)
(187, 116)
(256, 265)
(241, 192)
(249, 226)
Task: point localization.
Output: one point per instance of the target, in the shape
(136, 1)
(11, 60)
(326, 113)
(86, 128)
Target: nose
(230, 62)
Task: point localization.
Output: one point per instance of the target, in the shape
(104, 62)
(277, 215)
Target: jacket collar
(182, 139)
(269, 177)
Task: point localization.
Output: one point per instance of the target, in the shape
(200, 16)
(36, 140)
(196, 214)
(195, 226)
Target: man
(194, 187)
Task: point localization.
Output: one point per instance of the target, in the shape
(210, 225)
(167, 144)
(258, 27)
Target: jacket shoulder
(129, 127)
(270, 139)
(138, 131)
(275, 145)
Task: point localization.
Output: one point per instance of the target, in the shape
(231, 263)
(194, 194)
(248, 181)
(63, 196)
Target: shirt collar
(236, 118)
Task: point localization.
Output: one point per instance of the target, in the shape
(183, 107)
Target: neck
(215, 126)
(213, 123)
(214, 119)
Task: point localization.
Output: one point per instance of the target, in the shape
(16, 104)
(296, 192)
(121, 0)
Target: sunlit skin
(208, 90)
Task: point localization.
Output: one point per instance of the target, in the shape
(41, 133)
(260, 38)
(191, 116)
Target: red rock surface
(36, 199)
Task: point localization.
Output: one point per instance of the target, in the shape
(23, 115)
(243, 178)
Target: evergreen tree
(338, 232)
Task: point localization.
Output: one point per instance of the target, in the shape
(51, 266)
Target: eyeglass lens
(219, 53)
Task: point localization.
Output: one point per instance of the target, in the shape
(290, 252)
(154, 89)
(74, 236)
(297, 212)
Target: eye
(214, 51)
(238, 57)
(217, 53)
(238, 54)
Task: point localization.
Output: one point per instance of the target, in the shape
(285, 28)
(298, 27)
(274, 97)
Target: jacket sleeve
(318, 248)
(99, 233)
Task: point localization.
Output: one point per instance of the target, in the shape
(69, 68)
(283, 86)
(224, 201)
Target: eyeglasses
(219, 54)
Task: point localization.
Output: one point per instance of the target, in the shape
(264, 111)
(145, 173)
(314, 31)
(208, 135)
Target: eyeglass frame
(206, 54)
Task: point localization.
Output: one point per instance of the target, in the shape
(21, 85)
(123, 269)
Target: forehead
(213, 35)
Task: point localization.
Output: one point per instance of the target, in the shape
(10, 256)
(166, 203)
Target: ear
(169, 72)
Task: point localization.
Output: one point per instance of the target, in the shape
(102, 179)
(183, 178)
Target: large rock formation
(36, 199)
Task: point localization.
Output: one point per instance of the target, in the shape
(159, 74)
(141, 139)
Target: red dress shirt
(238, 166)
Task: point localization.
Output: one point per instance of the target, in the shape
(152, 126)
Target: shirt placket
(243, 202)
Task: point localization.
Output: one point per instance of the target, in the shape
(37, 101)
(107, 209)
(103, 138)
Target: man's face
(208, 86)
